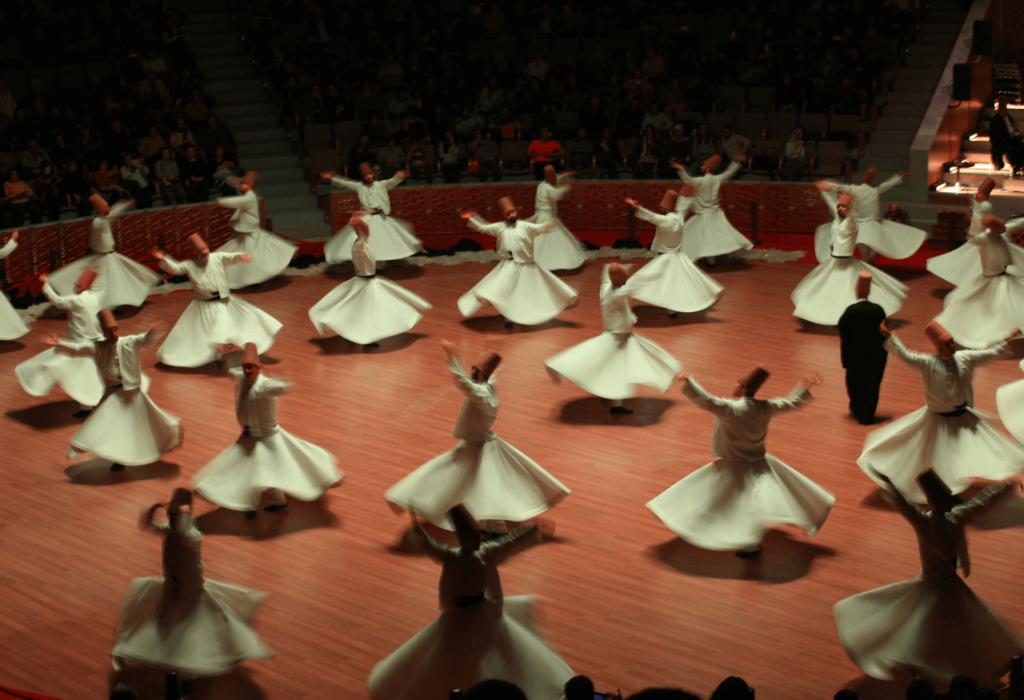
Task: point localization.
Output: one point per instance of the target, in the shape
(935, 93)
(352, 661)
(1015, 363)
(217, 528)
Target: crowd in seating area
(620, 88)
(104, 98)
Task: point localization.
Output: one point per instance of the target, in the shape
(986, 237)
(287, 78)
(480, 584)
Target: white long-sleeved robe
(392, 238)
(560, 249)
(11, 325)
(708, 233)
(270, 253)
(731, 502)
(893, 240)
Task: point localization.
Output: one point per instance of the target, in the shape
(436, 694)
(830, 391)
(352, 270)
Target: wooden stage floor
(622, 599)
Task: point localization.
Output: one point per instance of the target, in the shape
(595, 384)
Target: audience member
(733, 688)
(487, 154)
(21, 199)
(168, 179)
(450, 154)
(544, 151)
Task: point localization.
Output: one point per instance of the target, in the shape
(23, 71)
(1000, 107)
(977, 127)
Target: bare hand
(684, 376)
(546, 527)
(404, 173)
(823, 185)
(813, 379)
(883, 328)
(449, 347)
(904, 173)
(227, 348)
(14, 236)
(741, 157)
(632, 202)
(1013, 334)
(550, 224)
(158, 254)
(161, 327)
(44, 277)
(328, 174)
(246, 258)
(468, 214)
(50, 339)
(676, 166)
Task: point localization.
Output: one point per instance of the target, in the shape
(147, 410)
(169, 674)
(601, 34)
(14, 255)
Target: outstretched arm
(998, 351)
(800, 395)
(118, 209)
(983, 501)
(9, 246)
(684, 175)
(512, 543)
(734, 167)
(236, 202)
(397, 180)
(894, 181)
(70, 301)
(696, 393)
(915, 361)
(477, 223)
(168, 263)
(341, 182)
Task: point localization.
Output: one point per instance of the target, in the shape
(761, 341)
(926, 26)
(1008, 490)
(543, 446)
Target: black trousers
(863, 381)
(1013, 151)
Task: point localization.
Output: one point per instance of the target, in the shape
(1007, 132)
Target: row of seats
(18, 79)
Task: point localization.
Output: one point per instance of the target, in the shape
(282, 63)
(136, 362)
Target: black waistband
(215, 297)
(378, 211)
(958, 411)
(841, 257)
(468, 601)
(367, 277)
(245, 432)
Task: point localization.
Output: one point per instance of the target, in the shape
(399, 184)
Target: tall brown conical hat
(506, 205)
(935, 489)
(197, 242)
(550, 176)
(869, 175)
(365, 168)
(107, 320)
(668, 201)
(986, 187)
(487, 366)
(863, 287)
(99, 204)
(754, 379)
(713, 163)
(461, 519)
(937, 334)
(250, 178)
(86, 279)
(250, 356)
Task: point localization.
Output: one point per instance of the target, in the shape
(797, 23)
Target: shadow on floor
(594, 411)
(336, 345)
(271, 285)
(496, 324)
(782, 560)
(7, 346)
(298, 516)
(54, 414)
(96, 472)
(149, 683)
(657, 317)
(815, 329)
(402, 272)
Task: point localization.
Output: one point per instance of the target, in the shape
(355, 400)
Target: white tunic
(867, 205)
(516, 239)
(11, 325)
(119, 361)
(948, 381)
(891, 239)
(101, 239)
(668, 236)
(83, 310)
(616, 314)
(372, 196)
(207, 275)
(708, 231)
(256, 403)
(480, 409)
(362, 258)
(843, 237)
(548, 196)
(706, 198)
(247, 211)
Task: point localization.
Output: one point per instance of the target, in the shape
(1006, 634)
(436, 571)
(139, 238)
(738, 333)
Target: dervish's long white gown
(672, 281)
(730, 503)
(894, 241)
(215, 316)
(392, 238)
(934, 624)
(120, 281)
(265, 456)
(480, 634)
(367, 308)
(560, 249)
(989, 307)
(521, 290)
(613, 363)
(184, 622)
(492, 479)
(823, 295)
(708, 233)
(127, 427)
(960, 266)
(1010, 404)
(11, 325)
(959, 447)
(270, 254)
(77, 375)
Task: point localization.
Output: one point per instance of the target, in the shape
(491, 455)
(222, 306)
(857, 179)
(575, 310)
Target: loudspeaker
(962, 82)
(982, 42)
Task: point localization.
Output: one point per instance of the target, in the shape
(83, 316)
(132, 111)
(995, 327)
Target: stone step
(215, 39)
(268, 162)
(902, 85)
(289, 202)
(306, 218)
(891, 164)
(918, 99)
(252, 109)
(318, 232)
(278, 190)
(261, 135)
(259, 149)
(231, 49)
(219, 87)
(976, 150)
(875, 150)
(257, 122)
(898, 124)
(246, 97)
(892, 136)
(898, 110)
(242, 72)
(226, 61)
(292, 173)
(221, 25)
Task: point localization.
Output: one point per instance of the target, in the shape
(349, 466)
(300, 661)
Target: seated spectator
(487, 154)
(197, 111)
(733, 688)
(606, 151)
(732, 143)
(627, 123)
(544, 151)
(117, 141)
(105, 181)
(152, 90)
(698, 96)
(677, 149)
(788, 96)
(34, 161)
(390, 73)
(90, 149)
(21, 199)
(223, 171)
(794, 162)
(920, 689)
(450, 154)
(123, 691)
(644, 157)
(847, 98)
(135, 121)
(168, 179)
(593, 116)
(819, 99)
(181, 136)
(74, 189)
(134, 177)
(468, 122)
(59, 152)
(391, 159)
(437, 124)
(336, 107)
(8, 104)
(416, 162)
(506, 124)
(673, 97)
(213, 135)
(652, 66)
(537, 68)
(20, 130)
(153, 63)
(702, 146)
(195, 176)
(580, 152)
(658, 120)
(152, 144)
(491, 97)
(638, 87)
(897, 214)
(361, 152)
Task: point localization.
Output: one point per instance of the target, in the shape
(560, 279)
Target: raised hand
(676, 166)
(404, 173)
(904, 173)
(468, 214)
(883, 328)
(14, 236)
(328, 174)
(449, 347)
(813, 379)
(683, 376)
(632, 202)
(44, 277)
(246, 258)
(50, 339)
(158, 254)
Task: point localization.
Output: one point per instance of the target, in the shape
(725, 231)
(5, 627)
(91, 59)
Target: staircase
(244, 107)
(976, 147)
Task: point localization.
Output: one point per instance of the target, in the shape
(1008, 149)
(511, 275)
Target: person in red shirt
(545, 151)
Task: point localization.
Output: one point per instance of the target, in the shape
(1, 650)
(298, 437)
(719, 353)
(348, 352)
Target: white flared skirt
(236, 477)
(894, 241)
(823, 295)
(612, 364)
(270, 256)
(677, 284)
(494, 480)
(197, 634)
(963, 265)
(120, 281)
(79, 377)
(127, 428)
(958, 448)
(365, 310)
(11, 325)
(521, 292)
(1010, 404)
(390, 238)
(984, 310)
(709, 234)
(467, 645)
(935, 627)
(558, 249)
(205, 324)
(730, 503)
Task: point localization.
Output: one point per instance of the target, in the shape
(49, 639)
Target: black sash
(215, 297)
(367, 277)
(468, 601)
(958, 411)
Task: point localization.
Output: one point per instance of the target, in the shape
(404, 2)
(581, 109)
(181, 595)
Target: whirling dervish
(948, 434)
(183, 622)
(77, 375)
(521, 291)
(480, 634)
(824, 294)
(11, 325)
(215, 316)
(672, 280)
(730, 503)
(933, 625)
(613, 363)
(500, 483)
(708, 234)
(270, 254)
(876, 235)
(367, 308)
(265, 457)
(989, 307)
(392, 238)
(560, 249)
(121, 281)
